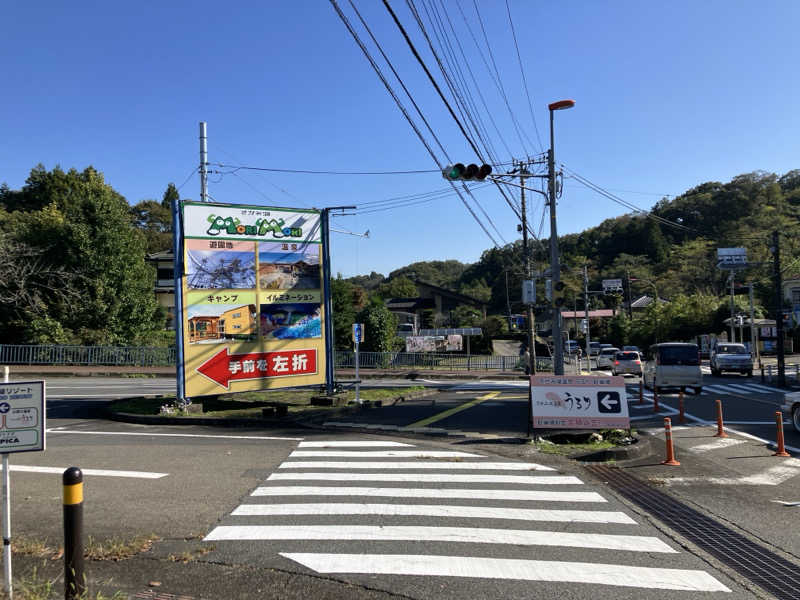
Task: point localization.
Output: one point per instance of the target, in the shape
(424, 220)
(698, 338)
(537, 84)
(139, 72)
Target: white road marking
(427, 464)
(90, 472)
(391, 492)
(429, 478)
(786, 503)
(469, 535)
(752, 437)
(352, 444)
(716, 445)
(721, 389)
(436, 510)
(743, 388)
(776, 475)
(186, 435)
(507, 568)
(383, 454)
(766, 388)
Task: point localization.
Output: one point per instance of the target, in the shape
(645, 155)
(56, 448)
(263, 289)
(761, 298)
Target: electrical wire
(522, 72)
(313, 172)
(185, 181)
(402, 108)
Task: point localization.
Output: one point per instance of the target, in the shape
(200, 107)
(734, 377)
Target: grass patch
(249, 404)
(567, 449)
(118, 549)
(35, 586)
(190, 555)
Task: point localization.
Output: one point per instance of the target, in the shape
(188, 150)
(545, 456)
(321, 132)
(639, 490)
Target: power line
(402, 108)
(522, 72)
(314, 172)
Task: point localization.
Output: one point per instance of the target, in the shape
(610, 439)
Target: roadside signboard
(528, 291)
(358, 332)
(22, 416)
(579, 402)
(253, 309)
(612, 285)
(731, 258)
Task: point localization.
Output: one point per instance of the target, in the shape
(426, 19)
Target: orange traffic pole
(655, 398)
(720, 429)
(779, 422)
(681, 417)
(641, 391)
(670, 450)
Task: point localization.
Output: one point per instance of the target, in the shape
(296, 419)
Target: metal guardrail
(142, 356)
(137, 356)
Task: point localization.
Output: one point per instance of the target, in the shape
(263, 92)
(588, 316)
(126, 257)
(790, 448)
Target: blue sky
(667, 96)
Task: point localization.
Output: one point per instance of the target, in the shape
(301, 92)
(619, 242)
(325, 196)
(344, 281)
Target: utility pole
(733, 331)
(776, 242)
(203, 163)
(527, 257)
(753, 344)
(630, 307)
(586, 312)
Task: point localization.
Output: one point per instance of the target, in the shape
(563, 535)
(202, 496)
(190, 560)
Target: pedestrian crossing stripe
(429, 478)
(436, 510)
(509, 568)
(364, 465)
(471, 535)
(392, 492)
(352, 444)
(382, 454)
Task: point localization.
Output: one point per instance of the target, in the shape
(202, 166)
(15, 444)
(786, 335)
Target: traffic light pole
(586, 312)
(527, 258)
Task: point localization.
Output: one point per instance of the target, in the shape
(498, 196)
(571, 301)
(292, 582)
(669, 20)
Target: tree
(380, 328)
(397, 287)
(346, 299)
(78, 224)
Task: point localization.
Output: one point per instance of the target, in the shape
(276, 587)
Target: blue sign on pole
(358, 332)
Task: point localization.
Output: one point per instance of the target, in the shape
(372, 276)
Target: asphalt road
(413, 518)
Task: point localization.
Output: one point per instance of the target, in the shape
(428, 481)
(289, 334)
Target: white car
(606, 358)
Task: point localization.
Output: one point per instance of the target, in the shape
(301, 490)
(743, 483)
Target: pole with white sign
(22, 429)
(358, 337)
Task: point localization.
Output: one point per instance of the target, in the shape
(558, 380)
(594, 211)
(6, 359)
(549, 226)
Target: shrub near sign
(579, 402)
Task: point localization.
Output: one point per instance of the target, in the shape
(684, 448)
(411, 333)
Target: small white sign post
(579, 402)
(358, 337)
(22, 429)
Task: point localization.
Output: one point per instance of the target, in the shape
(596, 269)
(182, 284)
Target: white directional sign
(612, 285)
(22, 416)
(731, 258)
(579, 402)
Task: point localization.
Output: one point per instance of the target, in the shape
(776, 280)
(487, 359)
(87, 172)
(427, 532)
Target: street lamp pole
(555, 268)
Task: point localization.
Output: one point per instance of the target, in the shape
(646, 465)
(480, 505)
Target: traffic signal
(459, 172)
(558, 294)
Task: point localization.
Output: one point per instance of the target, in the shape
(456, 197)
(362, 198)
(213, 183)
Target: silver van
(673, 365)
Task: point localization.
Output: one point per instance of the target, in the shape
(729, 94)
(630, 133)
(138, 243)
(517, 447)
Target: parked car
(571, 347)
(791, 408)
(627, 362)
(594, 348)
(731, 357)
(631, 349)
(673, 365)
(606, 357)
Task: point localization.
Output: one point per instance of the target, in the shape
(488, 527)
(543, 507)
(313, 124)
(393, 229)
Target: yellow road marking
(451, 411)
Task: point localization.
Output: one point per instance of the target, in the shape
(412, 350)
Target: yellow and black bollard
(74, 579)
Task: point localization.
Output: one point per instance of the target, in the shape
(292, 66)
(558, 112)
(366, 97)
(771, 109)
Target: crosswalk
(735, 389)
(371, 508)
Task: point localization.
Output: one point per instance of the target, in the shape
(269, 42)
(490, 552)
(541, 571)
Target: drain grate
(763, 567)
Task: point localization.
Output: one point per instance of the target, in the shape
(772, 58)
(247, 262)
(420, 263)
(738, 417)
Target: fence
(164, 357)
(429, 361)
(138, 356)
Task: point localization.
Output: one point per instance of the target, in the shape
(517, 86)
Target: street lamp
(555, 269)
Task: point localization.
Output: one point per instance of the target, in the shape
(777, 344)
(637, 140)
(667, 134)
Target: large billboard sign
(253, 305)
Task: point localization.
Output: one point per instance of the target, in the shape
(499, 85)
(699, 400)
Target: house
(165, 283)
(434, 298)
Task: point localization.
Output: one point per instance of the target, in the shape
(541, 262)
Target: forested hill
(672, 248)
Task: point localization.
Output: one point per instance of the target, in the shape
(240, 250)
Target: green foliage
(443, 273)
(397, 287)
(347, 300)
(81, 226)
(380, 328)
